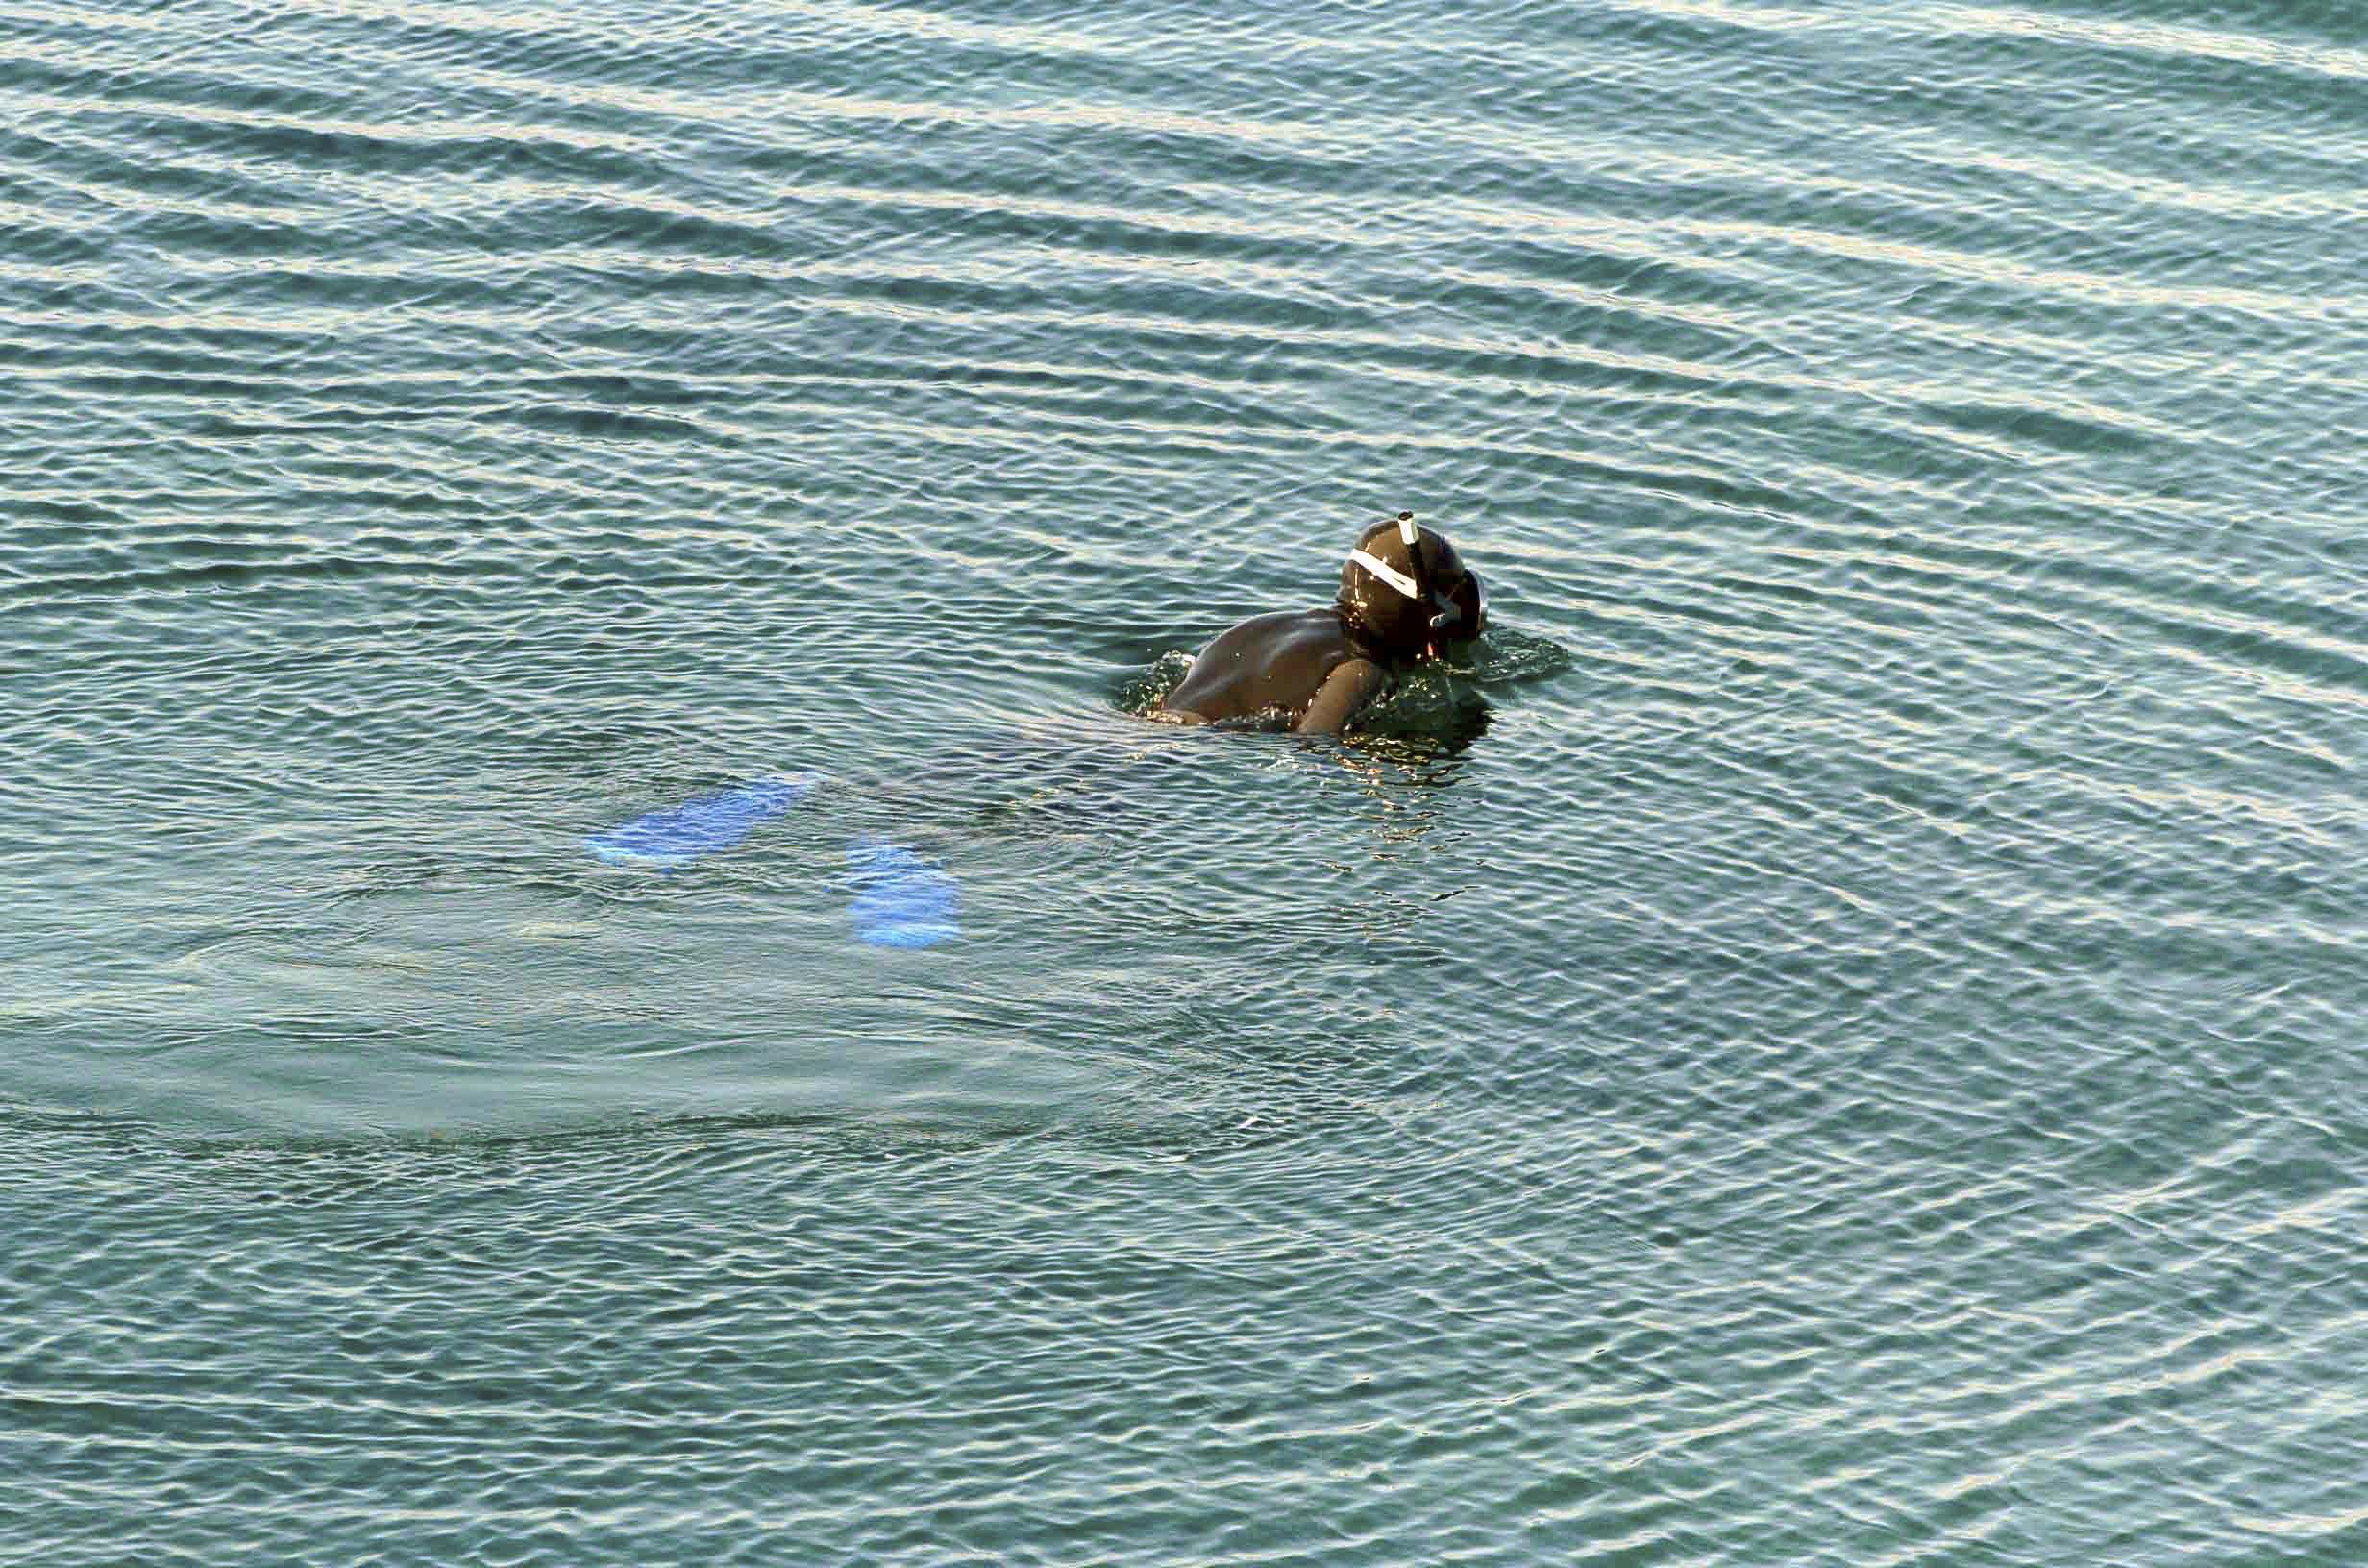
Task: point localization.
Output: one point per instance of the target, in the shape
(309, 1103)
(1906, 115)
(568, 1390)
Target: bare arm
(1349, 686)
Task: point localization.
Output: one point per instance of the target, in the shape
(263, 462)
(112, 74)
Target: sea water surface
(1833, 1035)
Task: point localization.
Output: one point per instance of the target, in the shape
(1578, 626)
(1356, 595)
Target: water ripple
(1821, 1040)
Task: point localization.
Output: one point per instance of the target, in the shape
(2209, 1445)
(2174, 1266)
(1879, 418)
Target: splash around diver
(1405, 596)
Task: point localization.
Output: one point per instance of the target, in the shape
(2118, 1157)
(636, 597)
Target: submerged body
(1303, 668)
(1403, 595)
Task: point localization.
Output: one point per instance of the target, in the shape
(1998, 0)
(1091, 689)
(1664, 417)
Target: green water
(1831, 1037)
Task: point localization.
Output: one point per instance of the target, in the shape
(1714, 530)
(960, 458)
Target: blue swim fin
(682, 834)
(900, 900)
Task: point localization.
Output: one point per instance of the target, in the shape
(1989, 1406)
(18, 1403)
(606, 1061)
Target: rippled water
(1830, 1038)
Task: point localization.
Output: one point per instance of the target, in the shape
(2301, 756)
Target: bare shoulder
(1273, 664)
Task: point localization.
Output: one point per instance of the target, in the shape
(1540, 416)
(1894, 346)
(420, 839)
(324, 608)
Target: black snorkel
(1450, 615)
(1413, 538)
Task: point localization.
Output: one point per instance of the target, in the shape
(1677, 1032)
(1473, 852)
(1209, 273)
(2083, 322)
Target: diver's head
(1405, 590)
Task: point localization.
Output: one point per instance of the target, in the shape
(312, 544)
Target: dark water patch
(613, 425)
(186, 385)
(639, 232)
(2226, 69)
(82, 514)
(270, 151)
(137, 582)
(2033, 89)
(661, 391)
(93, 85)
(334, 284)
(99, 175)
(51, 246)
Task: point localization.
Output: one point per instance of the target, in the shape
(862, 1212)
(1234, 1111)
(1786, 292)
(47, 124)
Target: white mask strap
(1388, 574)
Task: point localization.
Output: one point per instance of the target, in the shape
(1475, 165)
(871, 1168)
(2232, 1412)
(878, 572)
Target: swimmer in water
(1404, 595)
